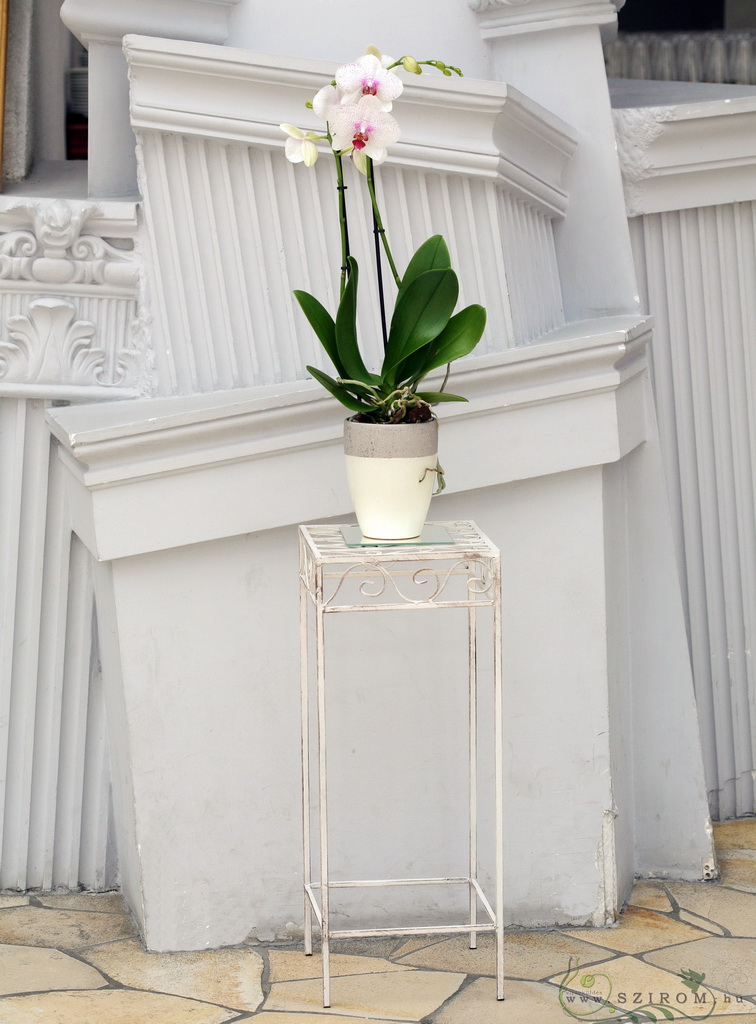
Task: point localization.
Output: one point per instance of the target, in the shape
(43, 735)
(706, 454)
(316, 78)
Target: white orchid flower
(325, 100)
(300, 146)
(365, 127)
(368, 77)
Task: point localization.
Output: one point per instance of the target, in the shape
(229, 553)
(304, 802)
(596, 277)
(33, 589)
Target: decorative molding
(53, 251)
(573, 400)
(94, 21)
(49, 345)
(515, 17)
(70, 307)
(479, 128)
(233, 226)
(686, 154)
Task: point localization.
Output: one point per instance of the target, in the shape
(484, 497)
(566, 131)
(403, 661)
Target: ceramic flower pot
(391, 475)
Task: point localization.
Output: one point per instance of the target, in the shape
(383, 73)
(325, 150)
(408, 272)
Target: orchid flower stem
(379, 229)
(341, 188)
(379, 274)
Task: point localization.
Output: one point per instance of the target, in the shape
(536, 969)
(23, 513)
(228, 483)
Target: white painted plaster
(101, 28)
(189, 503)
(52, 56)
(191, 610)
(340, 32)
(687, 146)
(562, 67)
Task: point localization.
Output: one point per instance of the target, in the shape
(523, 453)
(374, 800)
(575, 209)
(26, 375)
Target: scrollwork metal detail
(376, 580)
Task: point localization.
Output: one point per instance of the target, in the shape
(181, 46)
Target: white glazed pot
(390, 470)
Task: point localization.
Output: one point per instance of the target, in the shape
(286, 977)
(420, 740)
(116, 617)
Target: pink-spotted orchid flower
(368, 77)
(364, 127)
(300, 146)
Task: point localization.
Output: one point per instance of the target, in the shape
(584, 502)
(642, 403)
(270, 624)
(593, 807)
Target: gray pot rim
(391, 440)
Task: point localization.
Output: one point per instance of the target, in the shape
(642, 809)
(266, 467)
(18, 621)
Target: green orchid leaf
(432, 255)
(322, 323)
(458, 338)
(434, 397)
(346, 330)
(337, 390)
(422, 311)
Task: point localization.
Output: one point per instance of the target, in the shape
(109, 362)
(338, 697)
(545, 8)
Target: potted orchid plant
(386, 468)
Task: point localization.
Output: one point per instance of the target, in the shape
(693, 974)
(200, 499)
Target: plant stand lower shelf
(337, 578)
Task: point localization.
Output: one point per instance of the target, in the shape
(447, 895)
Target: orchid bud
(410, 64)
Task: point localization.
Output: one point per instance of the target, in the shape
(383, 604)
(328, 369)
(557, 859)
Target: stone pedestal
(189, 506)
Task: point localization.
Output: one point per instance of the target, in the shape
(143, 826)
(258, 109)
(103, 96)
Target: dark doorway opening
(672, 16)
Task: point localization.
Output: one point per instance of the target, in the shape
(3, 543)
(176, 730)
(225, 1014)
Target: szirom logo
(590, 997)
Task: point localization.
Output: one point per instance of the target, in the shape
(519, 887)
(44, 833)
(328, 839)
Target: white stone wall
(688, 159)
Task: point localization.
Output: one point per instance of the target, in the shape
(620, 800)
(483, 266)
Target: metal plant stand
(462, 572)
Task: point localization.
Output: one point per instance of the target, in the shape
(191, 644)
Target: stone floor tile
(650, 896)
(700, 922)
(735, 835)
(735, 911)
(64, 929)
(316, 1018)
(31, 969)
(100, 902)
(287, 965)
(13, 900)
(527, 955)
(416, 942)
(401, 996)
(230, 977)
(114, 1006)
(737, 868)
(628, 983)
(639, 930)
(729, 964)
(376, 946)
(525, 1002)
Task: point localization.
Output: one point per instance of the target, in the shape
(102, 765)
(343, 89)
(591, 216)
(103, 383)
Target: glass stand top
(433, 533)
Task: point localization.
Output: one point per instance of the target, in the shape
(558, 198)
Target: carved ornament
(49, 345)
(54, 251)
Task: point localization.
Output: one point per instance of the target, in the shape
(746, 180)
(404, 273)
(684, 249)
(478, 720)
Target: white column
(101, 28)
(688, 158)
(551, 50)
